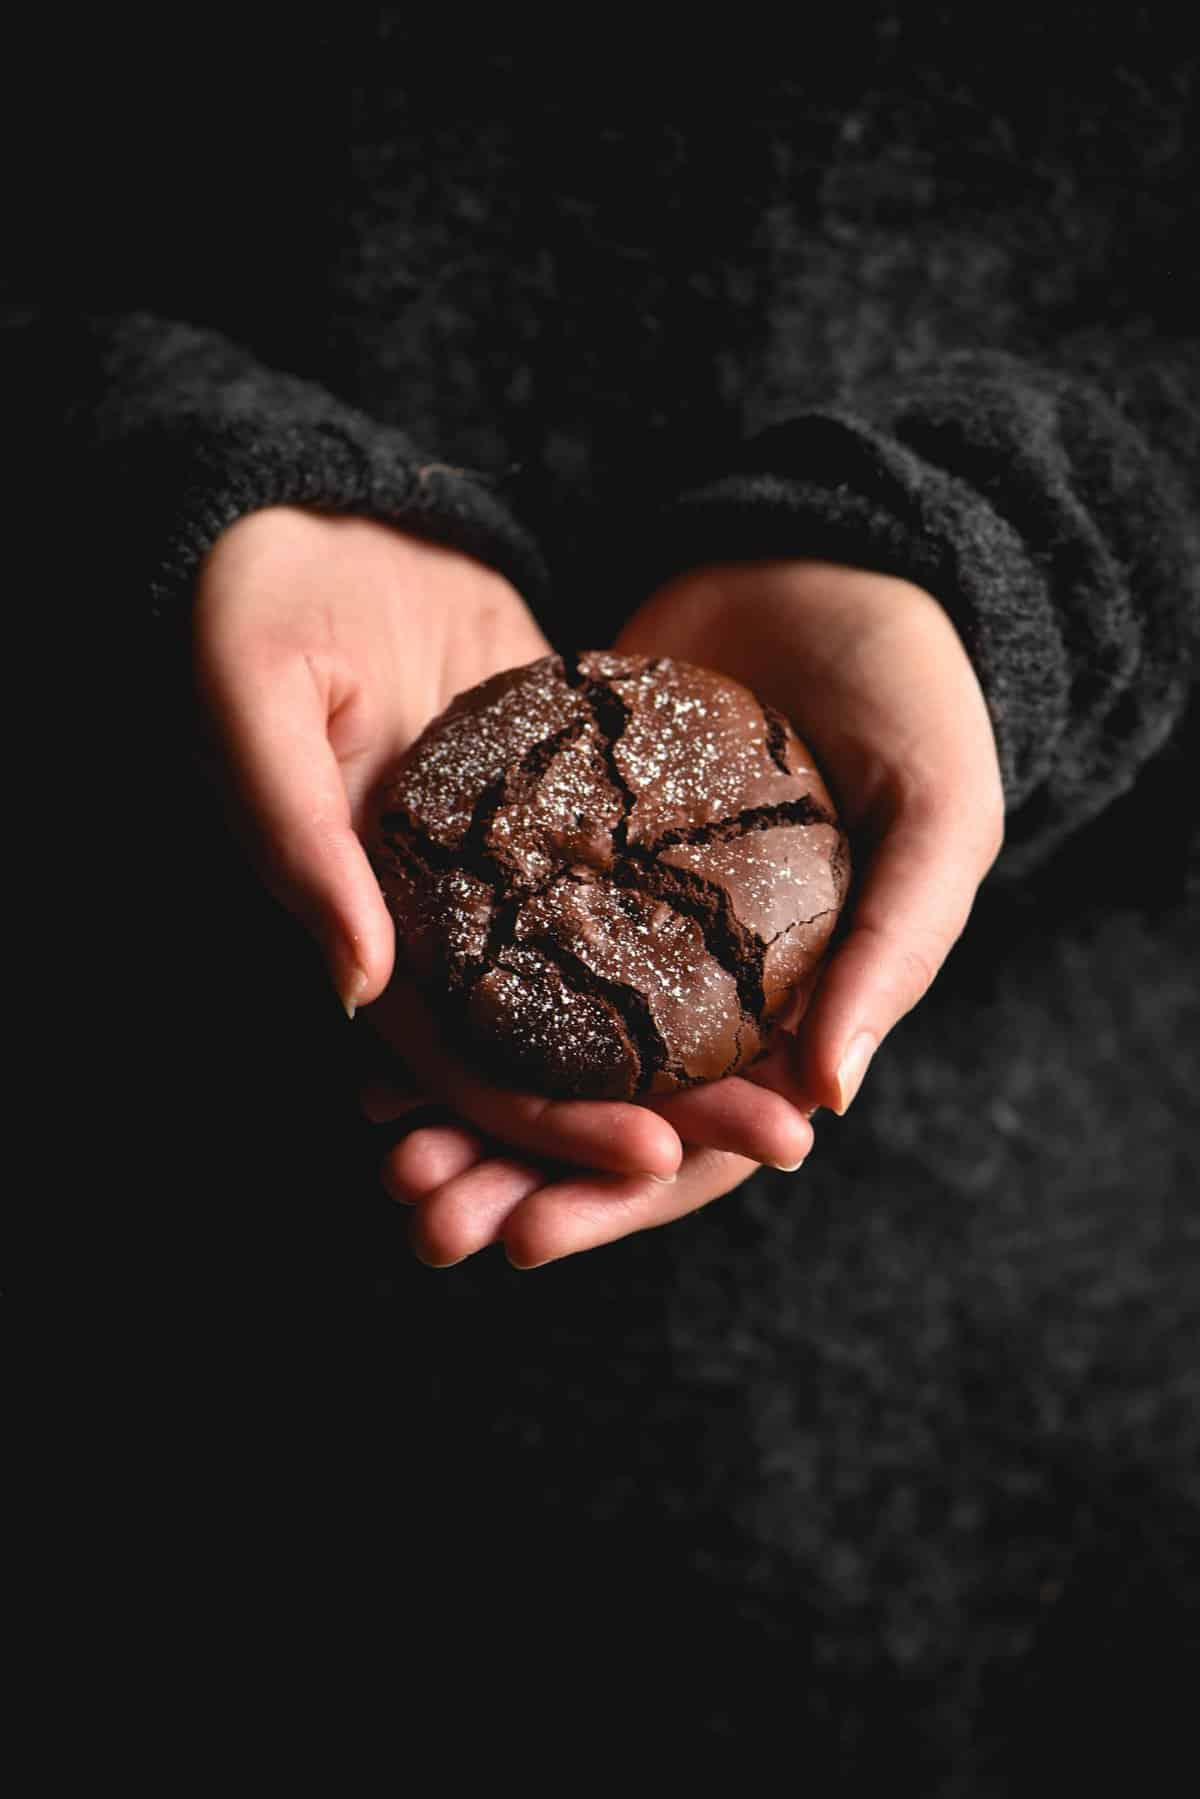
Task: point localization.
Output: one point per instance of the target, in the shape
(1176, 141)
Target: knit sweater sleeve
(163, 434)
(1053, 511)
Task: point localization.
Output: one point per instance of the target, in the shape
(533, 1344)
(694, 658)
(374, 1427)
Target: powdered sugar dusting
(531, 858)
(461, 753)
(782, 886)
(442, 916)
(644, 943)
(567, 815)
(774, 877)
(524, 1007)
(695, 750)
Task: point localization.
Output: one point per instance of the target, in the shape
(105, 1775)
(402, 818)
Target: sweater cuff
(872, 505)
(218, 477)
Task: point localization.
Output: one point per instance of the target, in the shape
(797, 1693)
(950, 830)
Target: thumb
(295, 815)
(913, 907)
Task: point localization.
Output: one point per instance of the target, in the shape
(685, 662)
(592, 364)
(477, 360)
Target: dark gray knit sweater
(916, 1432)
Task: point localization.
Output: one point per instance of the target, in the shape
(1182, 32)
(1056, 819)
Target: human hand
(322, 648)
(876, 680)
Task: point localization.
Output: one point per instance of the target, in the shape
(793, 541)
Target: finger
(466, 1213)
(567, 1216)
(742, 1117)
(611, 1135)
(427, 1158)
(273, 720)
(781, 1070)
(912, 908)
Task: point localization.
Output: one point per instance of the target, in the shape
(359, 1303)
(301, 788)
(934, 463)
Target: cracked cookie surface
(611, 874)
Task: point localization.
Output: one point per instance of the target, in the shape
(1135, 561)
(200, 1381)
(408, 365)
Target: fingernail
(788, 1167)
(665, 1180)
(523, 1267)
(427, 1263)
(853, 1067)
(351, 990)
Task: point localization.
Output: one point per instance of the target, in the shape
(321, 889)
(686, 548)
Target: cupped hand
(468, 1192)
(322, 647)
(876, 680)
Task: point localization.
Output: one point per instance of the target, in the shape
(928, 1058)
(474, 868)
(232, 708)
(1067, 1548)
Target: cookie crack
(631, 1005)
(502, 926)
(506, 787)
(398, 825)
(776, 737)
(399, 834)
(826, 912)
(730, 943)
(539, 756)
(804, 811)
(611, 715)
(735, 1061)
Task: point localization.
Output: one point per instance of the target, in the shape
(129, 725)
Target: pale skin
(322, 648)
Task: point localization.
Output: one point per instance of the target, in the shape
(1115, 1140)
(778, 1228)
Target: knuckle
(920, 963)
(913, 957)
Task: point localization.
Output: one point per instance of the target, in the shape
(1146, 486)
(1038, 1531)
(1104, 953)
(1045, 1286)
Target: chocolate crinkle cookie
(610, 874)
